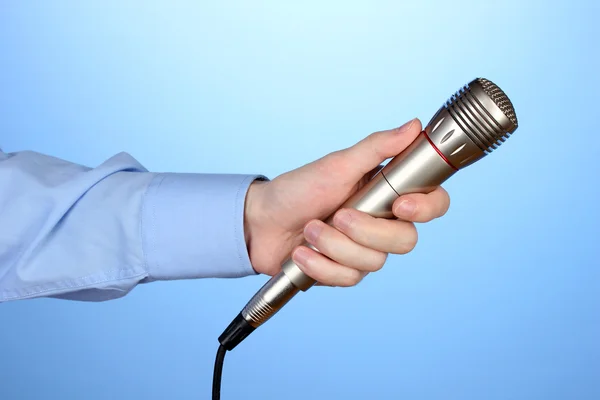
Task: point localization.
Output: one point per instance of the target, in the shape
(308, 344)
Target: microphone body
(466, 128)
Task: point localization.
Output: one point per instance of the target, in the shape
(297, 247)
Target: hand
(283, 213)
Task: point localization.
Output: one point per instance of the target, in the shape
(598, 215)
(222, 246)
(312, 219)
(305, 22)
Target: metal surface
(269, 299)
(480, 117)
(417, 169)
(473, 122)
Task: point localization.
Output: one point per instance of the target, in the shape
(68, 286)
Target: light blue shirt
(92, 234)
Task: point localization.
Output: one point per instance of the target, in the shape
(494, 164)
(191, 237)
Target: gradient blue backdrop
(500, 299)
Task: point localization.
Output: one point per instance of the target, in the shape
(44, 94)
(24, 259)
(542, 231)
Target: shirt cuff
(193, 226)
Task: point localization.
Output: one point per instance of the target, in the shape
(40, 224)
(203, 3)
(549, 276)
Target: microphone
(472, 123)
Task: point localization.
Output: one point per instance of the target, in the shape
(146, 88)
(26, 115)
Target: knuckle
(344, 219)
(427, 213)
(378, 262)
(352, 279)
(382, 260)
(409, 240)
(336, 156)
(335, 161)
(371, 141)
(442, 204)
(445, 206)
(356, 278)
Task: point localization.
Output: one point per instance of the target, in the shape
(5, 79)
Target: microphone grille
(500, 98)
(484, 112)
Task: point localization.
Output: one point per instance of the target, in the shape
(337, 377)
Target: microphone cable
(236, 332)
(218, 372)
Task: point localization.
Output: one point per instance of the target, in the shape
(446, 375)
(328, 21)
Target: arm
(92, 234)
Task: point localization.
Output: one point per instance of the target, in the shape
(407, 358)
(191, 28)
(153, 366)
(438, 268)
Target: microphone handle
(420, 168)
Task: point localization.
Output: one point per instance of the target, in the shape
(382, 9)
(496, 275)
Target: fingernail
(301, 256)
(312, 231)
(342, 219)
(406, 126)
(406, 207)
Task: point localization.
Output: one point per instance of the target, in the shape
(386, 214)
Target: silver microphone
(477, 119)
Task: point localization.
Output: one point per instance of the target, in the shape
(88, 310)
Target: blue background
(501, 297)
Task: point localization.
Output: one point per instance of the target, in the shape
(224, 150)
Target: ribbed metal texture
(258, 311)
(477, 122)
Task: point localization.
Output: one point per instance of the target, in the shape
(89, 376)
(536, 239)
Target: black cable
(216, 391)
(235, 333)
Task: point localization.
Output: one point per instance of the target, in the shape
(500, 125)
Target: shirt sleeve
(92, 234)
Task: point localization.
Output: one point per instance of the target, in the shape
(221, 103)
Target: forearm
(93, 234)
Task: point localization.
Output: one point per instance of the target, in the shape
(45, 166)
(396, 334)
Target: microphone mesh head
(484, 112)
(500, 98)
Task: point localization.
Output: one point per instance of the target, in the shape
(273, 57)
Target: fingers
(383, 235)
(358, 243)
(419, 207)
(379, 146)
(341, 249)
(324, 270)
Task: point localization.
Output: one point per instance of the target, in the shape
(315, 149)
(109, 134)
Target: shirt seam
(71, 283)
(148, 246)
(148, 239)
(240, 203)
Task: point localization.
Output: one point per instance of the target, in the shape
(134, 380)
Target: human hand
(284, 213)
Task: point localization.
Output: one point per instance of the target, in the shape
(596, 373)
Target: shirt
(69, 231)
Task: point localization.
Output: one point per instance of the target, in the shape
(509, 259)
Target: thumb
(379, 146)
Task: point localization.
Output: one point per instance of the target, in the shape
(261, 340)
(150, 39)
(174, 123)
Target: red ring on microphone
(438, 151)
